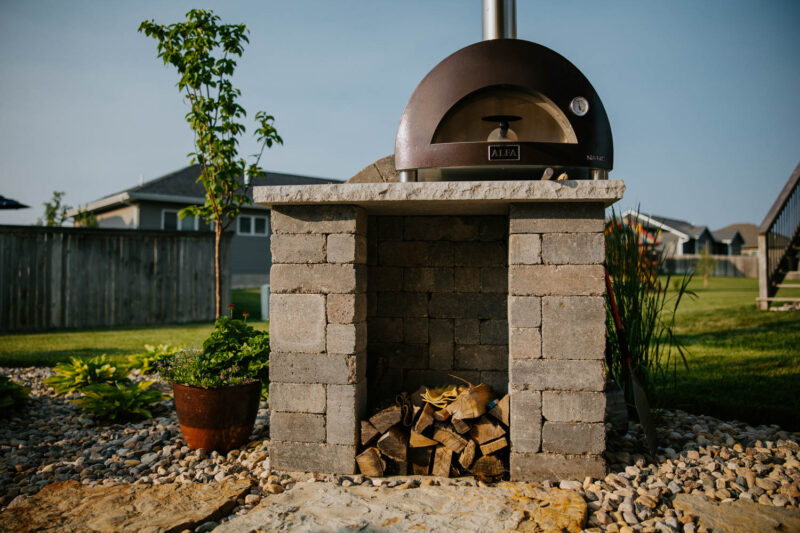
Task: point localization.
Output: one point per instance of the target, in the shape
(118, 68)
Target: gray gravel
(51, 440)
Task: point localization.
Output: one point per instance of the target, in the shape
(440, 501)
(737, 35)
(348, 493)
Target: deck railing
(778, 240)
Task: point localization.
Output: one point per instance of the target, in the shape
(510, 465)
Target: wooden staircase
(779, 245)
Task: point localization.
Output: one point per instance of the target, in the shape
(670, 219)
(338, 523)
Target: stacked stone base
(429, 279)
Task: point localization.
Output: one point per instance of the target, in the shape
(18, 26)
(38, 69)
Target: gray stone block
(440, 254)
(440, 331)
(497, 380)
(402, 355)
(287, 333)
(441, 356)
(298, 427)
(347, 308)
(441, 228)
(297, 397)
(558, 374)
(318, 279)
(526, 420)
(318, 219)
(346, 407)
(481, 357)
(525, 343)
(556, 280)
(536, 467)
(494, 279)
(384, 329)
(573, 327)
(403, 304)
(466, 304)
(304, 457)
(414, 379)
(556, 218)
(480, 254)
(493, 228)
(347, 248)
(317, 368)
(346, 338)
(494, 332)
(467, 279)
(467, 331)
(405, 254)
(385, 278)
(524, 249)
(573, 438)
(524, 311)
(293, 248)
(571, 406)
(390, 228)
(573, 248)
(428, 279)
(415, 330)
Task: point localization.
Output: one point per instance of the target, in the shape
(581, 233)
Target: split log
(491, 447)
(368, 432)
(394, 444)
(485, 430)
(370, 463)
(501, 411)
(472, 402)
(460, 426)
(418, 440)
(441, 461)
(385, 419)
(467, 456)
(425, 419)
(488, 467)
(442, 415)
(420, 459)
(450, 439)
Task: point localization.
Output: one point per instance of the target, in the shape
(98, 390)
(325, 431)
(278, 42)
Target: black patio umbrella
(8, 203)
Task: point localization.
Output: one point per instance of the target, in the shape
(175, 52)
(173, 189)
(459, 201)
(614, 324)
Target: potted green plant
(217, 388)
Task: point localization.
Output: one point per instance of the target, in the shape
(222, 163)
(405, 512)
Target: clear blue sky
(702, 96)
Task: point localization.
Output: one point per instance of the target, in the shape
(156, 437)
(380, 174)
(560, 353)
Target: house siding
(122, 218)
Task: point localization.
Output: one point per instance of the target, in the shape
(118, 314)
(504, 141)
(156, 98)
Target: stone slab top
(442, 197)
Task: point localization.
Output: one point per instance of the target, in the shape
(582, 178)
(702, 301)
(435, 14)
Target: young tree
(705, 265)
(55, 214)
(202, 50)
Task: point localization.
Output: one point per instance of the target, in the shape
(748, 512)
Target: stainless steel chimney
(499, 19)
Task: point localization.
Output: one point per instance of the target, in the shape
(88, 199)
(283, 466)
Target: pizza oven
(503, 109)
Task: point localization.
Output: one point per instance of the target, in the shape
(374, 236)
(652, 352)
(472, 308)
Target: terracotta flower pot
(217, 419)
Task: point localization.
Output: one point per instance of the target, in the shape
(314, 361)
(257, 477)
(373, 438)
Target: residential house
(677, 237)
(748, 233)
(154, 205)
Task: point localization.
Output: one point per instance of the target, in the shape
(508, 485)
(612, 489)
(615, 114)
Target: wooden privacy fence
(735, 266)
(53, 278)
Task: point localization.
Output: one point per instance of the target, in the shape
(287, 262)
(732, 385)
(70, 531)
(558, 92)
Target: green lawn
(743, 363)
(47, 349)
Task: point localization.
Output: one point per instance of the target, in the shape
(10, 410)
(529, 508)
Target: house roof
(679, 227)
(182, 186)
(749, 233)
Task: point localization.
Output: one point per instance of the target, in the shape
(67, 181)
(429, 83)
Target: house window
(250, 225)
(171, 221)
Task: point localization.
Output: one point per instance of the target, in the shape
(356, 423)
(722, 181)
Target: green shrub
(12, 395)
(120, 401)
(233, 354)
(146, 361)
(646, 311)
(79, 373)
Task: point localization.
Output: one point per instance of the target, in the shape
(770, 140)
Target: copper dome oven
(503, 109)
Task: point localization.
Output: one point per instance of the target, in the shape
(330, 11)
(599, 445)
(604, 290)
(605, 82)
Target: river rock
(505, 507)
(72, 507)
(738, 516)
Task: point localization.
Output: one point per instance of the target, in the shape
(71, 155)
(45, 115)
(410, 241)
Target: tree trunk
(217, 266)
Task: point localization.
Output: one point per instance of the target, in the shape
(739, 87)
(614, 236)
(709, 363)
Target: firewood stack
(450, 431)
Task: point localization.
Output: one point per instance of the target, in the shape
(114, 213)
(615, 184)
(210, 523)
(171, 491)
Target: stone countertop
(443, 197)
